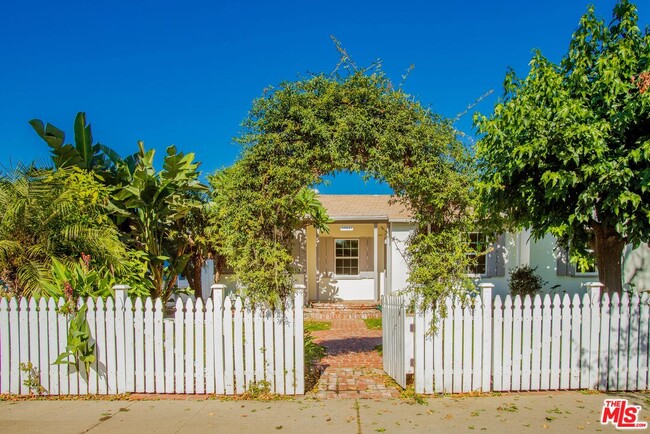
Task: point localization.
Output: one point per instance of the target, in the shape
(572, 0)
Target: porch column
(312, 284)
(375, 236)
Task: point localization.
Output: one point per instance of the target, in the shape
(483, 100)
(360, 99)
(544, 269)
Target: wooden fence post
(486, 293)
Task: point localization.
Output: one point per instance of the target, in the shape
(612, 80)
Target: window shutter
(495, 262)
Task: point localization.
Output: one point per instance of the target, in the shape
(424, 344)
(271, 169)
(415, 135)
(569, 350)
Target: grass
(373, 323)
(380, 349)
(314, 326)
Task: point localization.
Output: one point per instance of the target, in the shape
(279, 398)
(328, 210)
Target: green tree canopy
(567, 149)
(358, 122)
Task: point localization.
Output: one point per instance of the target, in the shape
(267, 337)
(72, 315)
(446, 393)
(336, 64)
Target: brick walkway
(353, 368)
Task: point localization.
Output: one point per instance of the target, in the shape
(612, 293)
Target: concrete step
(324, 315)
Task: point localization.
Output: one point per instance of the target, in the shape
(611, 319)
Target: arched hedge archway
(301, 131)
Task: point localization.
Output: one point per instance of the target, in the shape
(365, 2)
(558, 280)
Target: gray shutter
(564, 267)
(366, 258)
(495, 265)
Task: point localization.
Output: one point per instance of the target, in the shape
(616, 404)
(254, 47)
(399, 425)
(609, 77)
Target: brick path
(353, 368)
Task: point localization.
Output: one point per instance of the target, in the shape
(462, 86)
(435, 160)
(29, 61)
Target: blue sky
(185, 73)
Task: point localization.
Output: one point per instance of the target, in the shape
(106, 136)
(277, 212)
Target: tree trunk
(197, 263)
(608, 247)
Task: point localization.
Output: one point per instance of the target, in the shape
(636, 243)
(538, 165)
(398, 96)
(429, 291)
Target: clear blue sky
(185, 73)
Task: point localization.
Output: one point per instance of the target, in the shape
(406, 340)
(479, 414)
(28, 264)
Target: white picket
(259, 342)
(168, 325)
(159, 355)
(585, 343)
(53, 346)
(466, 382)
(545, 374)
(249, 344)
(457, 367)
(33, 335)
(516, 344)
(89, 379)
(100, 348)
(477, 347)
(299, 339)
(23, 320)
(633, 363)
(576, 344)
(497, 346)
(110, 359)
(279, 354)
(556, 341)
(138, 328)
(209, 346)
(218, 320)
(5, 367)
(238, 350)
(62, 326)
(120, 345)
(179, 347)
(565, 349)
(189, 346)
(594, 359)
(536, 343)
(129, 343)
(43, 362)
(269, 359)
(228, 345)
(507, 343)
(289, 371)
(614, 342)
(448, 380)
(437, 336)
(199, 355)
(428, 351)
(149, 371)
(644, 313)
(526, 337)
(603, 356)
(419, 324)
(623, 342)
(487, 337)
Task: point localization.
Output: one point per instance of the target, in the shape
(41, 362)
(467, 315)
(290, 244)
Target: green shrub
(523, 281)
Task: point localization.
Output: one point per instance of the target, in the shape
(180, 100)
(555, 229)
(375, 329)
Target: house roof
(364, 207)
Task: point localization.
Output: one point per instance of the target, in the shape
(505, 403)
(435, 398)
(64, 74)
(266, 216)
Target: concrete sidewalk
(531, 412)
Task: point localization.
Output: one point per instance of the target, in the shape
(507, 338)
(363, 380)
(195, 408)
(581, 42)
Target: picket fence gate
(219, 346)
(539, 343)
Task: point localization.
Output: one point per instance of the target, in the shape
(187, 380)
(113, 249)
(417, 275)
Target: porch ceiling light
(347, 228)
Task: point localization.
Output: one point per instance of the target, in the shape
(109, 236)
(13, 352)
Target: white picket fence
(213, 347)
(543, 343)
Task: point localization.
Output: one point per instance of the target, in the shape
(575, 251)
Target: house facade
(362, 257)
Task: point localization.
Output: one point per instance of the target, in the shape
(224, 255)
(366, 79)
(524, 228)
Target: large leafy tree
(567, 149)
(158, 214)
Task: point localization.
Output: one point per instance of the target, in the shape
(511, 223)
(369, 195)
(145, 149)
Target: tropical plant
(154, 207)
(567, 150)
(80, 346)
(47, 215)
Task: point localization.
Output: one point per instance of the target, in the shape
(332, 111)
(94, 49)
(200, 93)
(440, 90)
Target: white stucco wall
(541, 254)
(398, 272)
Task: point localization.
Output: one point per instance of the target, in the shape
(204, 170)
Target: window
(347, 257)
(477, 245)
